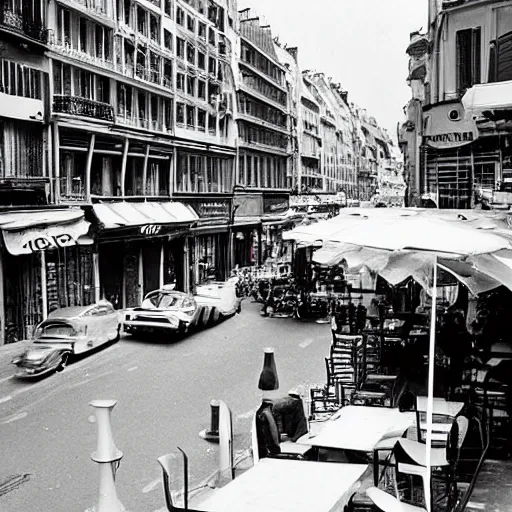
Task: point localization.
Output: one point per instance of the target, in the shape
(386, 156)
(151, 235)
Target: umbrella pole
(430, 394)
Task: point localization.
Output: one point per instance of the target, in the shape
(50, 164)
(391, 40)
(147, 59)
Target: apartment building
(456, 139)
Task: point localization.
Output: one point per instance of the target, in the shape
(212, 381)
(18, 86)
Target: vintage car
(65, 333)
(170, 311)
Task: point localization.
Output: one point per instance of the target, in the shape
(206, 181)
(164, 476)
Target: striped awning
(124, 214)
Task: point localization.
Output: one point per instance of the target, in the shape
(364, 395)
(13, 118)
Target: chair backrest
(407, 402)
(463, 424)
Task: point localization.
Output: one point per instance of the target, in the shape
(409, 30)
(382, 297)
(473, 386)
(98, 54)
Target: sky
(359, 43)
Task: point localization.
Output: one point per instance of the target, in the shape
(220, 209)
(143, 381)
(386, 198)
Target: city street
(163, 393)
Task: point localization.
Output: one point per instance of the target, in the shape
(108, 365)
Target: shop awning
(123, 214)
(30, 231)
(494, 96)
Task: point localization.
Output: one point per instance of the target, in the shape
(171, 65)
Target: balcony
(73, 53)
(15, 22)
(83, 107)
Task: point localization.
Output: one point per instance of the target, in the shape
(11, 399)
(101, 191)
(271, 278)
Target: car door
(103, 323)
(111, 322)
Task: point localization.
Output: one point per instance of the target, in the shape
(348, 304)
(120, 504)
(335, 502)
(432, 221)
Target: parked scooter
(281, 302)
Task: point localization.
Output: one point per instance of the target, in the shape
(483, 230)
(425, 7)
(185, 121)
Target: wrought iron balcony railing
(84, 107)
(16, 22)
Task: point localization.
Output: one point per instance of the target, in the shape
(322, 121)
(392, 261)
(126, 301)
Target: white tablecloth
(360, 428)
(275, 485)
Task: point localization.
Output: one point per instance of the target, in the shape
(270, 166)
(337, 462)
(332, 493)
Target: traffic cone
(212, 434)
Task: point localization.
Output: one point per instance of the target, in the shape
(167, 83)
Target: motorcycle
(313, 306)
(282, 301)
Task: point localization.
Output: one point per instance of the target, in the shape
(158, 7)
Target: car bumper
(149, 326)
(32, 373)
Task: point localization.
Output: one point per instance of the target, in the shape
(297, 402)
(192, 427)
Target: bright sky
(359, 43)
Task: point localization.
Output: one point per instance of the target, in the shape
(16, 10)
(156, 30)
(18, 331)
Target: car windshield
(166, 300)
(55, 330)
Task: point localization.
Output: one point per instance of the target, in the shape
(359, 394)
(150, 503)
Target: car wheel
(182, 329)
(239, 308)
(63, 363)
(118, 336)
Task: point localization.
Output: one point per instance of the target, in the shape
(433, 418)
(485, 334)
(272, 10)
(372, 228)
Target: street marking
(151, 486)
(5, 379)
(306, 343)
(473, 504)
(16, 417)
(5, 399)
(132, 369)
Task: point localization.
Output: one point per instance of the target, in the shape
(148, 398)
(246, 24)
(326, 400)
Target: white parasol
(407, 244)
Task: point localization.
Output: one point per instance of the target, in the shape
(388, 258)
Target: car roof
(166, 291)
(74, 311)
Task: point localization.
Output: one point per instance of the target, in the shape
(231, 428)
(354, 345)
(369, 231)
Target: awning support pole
(44, 290)
(90, 154)
(430, 396)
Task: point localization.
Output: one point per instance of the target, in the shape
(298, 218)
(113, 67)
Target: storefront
(248, 209)
(47, 263)
(274, 220)
(146, 241)
(208, 244)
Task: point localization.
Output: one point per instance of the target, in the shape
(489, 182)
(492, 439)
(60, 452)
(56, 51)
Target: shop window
(106, 175)
(201, 30)
(468, 58)
(134, 175)
(72, 175)
(180, 48)
(180, 113)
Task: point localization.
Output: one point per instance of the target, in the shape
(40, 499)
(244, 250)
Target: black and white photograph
(255, 256)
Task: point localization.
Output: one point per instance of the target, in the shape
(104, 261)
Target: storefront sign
(44, 238)
(448, 126)
(209, 208)
(448, 139)
(150, 229)
(276, 205)
(248, 205)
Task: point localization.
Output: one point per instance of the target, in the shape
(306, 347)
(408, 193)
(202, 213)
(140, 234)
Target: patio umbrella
(393, 241)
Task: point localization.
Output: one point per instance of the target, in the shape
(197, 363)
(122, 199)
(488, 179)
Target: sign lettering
(449, 138)
(213, 209)
(150, 229)
(48, 242)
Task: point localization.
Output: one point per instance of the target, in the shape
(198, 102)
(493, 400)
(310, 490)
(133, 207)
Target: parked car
(170, 311)
(65, 333)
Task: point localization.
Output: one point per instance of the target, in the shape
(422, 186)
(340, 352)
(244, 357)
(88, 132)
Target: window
(124, 101)
(211, 36)
(168, 40)
(191, 23)
(212, 65)
(468, 58)
(141, 98)
(180, 113)
(168, 8)
(201, 30)
(155, 125)
(500, 59)
(82, 35)
(191, 114)
(127, 11)
(191, 85)
(191, 53)
(200, 6)
(201, 57)
(201, 120)
(18, 80)
(180, 81)
(180, 47)
(212, 125)
(141, 21)
(154, 29)
(167, 73)
(180, 16)
(201, 89)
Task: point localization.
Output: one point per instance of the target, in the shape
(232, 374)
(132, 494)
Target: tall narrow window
(468, 58)
(180, 113)
(82, 24)
(500, 59)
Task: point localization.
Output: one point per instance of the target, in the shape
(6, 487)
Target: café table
(359, 428)
(277, 485)
(441, 406)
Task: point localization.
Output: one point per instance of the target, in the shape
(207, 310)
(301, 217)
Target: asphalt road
(163, 393)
